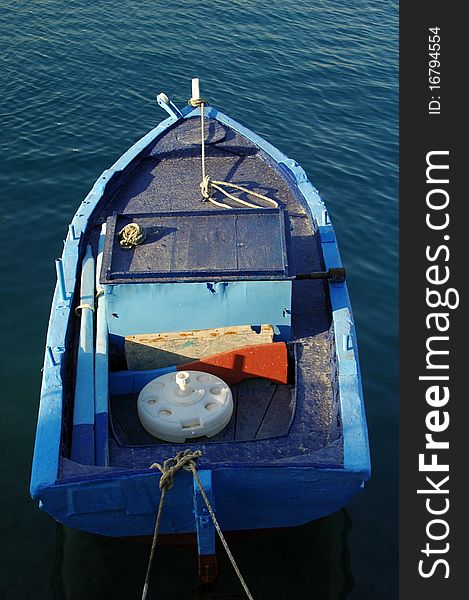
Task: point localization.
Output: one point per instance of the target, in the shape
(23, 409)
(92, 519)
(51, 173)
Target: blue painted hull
(281, 481)
(251, 499)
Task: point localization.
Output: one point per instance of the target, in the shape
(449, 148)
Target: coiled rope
(208, 185)
(184, 460)
(131, 235)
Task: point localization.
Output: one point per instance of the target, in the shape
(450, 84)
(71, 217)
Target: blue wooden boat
(292, 451)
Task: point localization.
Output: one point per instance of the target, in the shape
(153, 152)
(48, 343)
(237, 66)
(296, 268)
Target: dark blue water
(78, 81)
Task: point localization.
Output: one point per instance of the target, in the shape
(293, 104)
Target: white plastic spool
(179, 406)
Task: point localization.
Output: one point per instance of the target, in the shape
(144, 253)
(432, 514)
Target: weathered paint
(101, 366)
(125, 504)
(161, 307)
(266, 360)
(83, 411)
(204, 524)
(132, 382)
(152, 351)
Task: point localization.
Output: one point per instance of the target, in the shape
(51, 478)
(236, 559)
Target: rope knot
(183, 460)
(197, 102)
(131, 235)
(206, 188)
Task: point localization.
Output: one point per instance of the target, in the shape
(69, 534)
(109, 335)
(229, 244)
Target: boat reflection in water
(310, 561)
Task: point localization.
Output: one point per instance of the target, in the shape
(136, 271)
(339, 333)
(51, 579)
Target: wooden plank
(227, 434)
(279, 413)
(267, 361)
(153, 351)
(126, 425)
(253, 399)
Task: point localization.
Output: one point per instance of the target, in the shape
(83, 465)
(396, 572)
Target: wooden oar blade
(269, 361)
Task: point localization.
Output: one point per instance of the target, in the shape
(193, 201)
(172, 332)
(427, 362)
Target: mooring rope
(207, 185)
(168, 470)
(184, 460)
(220, 534)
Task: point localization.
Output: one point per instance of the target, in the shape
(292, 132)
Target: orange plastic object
(269, 361)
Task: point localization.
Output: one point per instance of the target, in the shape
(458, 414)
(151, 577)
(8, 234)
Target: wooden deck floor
(262, 410)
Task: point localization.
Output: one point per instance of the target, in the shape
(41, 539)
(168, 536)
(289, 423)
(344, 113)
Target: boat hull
(288, 485)
(244, 499)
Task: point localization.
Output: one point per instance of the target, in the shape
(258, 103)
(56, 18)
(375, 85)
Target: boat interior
(203, 267)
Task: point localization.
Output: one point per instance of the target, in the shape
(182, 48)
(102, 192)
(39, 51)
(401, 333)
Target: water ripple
(317, 79)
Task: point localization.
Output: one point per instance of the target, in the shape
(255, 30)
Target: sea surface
(78, 81)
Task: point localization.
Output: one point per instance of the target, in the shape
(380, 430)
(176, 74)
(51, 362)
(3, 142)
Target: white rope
(207, 185)
(80, 307)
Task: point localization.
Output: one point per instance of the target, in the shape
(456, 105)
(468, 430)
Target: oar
(269, 361)
(101, 364)
(82, 450)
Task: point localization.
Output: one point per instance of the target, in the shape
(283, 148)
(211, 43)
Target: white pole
(195, 88)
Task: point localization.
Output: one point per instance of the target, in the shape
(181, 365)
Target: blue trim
(83, 443)
(124, 504)
(169, 107)
(83, 410)
(101, 371)
(203, 521)
(132, 382)
(101, 435)
(49, 425)
(84, 386)
(101, 366)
